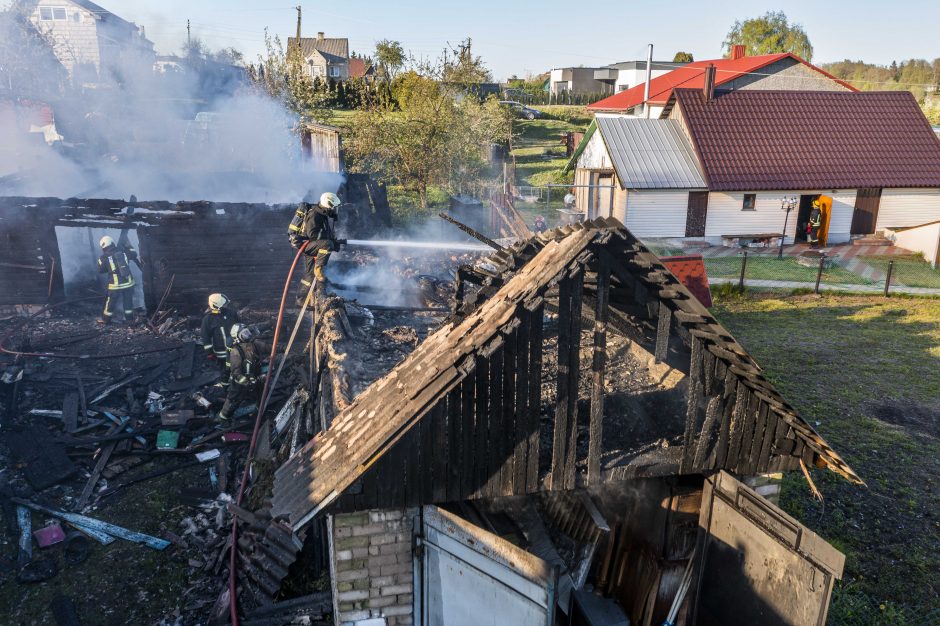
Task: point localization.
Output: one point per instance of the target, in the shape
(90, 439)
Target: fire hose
(262, 405)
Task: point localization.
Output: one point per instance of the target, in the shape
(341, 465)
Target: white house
(608, 79)
(721, 164)
(92, 43)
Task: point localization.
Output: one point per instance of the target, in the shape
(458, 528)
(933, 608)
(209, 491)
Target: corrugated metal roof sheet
(779, 140)
(650, 154)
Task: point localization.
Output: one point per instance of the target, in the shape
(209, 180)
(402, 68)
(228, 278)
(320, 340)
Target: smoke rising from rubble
(138, 136)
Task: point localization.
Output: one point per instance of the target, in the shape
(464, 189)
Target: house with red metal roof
(719, 165)
(783, 71)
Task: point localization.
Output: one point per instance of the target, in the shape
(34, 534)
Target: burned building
(574, 442)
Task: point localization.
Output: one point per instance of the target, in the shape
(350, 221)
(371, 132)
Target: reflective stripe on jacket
(116, 263)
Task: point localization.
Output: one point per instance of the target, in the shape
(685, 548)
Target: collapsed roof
(459, 418)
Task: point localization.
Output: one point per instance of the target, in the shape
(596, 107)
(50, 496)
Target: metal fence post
(743, 267)
(888, 277)
(822, 261)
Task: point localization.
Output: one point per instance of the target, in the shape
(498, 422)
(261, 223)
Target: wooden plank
(521, 415)
(712, 411)
(508, 441)
(96, 473)
(724, 435)
(497, 431)
(429, 455)
(70, 411)
(535, 398)
(481, 423)
(750, 445)
(693, 401)
(467, 431)
(598, 371)
(440, 453)
(708, 373)
(184, 365)
(447, 449)
(574, 375)
(770, 432)
(82, 401)
(560, 436)
(738, 418)
(662, 333)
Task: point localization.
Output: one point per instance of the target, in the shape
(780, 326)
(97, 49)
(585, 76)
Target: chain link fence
(851, 606)
(886, 274)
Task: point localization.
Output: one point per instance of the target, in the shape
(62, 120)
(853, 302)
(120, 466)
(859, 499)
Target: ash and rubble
(104, 422)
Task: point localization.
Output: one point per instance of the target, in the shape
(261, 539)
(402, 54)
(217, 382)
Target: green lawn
(760, 267)
(864, 372)
(540, 155)
(911, 271)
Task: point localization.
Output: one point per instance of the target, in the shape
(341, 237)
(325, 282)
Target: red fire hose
(262, 405)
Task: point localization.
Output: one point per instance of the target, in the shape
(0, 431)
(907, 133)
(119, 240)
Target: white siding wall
(908, 207)
(656, 213)
(76, 37)
(725, 216)
(595, 156)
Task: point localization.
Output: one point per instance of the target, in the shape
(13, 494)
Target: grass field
(866, 373)
(911, 271)
(772, 268)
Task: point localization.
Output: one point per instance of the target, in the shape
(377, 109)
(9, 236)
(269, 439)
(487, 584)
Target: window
(623, 87)
(334, 71)
(48, 14)
(316, 70)
(750, 202)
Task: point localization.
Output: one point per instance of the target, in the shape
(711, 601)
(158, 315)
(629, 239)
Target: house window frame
(48, 9)
(749, 206)
(333, 71)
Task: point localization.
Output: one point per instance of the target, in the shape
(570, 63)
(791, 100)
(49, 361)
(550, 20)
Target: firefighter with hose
(316, 225)
(116, 261)
(246, 357)
(215, 332)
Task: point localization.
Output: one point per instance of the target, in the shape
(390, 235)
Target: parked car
(522, 110)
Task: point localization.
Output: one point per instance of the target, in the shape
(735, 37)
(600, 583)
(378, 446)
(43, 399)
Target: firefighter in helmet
(115, 261)
(540, 225)
(217, 325)
(316, 226)
(246, 356)
(815, 222)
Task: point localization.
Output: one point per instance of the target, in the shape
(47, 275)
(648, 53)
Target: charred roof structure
(578, 383)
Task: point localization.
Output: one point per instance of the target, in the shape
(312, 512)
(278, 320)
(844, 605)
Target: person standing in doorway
(815, 222)
(115, 261)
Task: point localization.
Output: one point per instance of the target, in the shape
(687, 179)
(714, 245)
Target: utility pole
(298, 24)
(189, 36)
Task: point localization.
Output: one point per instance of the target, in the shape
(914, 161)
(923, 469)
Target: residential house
(92, 43)
(739, 71)
(461, 488)
(325, 57)
(612, 78)
(359, 68)
(721, 163)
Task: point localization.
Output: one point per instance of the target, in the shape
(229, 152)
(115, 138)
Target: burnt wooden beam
(535, 312)
(481, 409)
(729, 398)
(521, 420)
(662, 333)
(574, 374)
(497, 421)
(506, 443)
(598, 371)
(559, 438)
(467, 430)
(712, 411)
(693, 401)
(739, 419)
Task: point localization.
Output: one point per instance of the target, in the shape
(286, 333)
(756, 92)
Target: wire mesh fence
(879, 274)
(851, 606)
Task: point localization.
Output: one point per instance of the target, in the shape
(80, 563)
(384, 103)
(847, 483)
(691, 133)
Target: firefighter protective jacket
(314, 224)
(117, 263)
(246, 361)
(216, 326)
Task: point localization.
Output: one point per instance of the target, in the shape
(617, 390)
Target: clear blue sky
(531, 37)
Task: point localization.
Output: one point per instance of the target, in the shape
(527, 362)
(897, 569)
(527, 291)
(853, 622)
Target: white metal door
(471, 577)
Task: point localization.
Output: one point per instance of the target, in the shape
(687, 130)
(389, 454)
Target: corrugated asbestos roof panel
(650, 154)
(779, 140)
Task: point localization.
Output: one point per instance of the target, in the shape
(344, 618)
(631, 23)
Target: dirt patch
(916, 417)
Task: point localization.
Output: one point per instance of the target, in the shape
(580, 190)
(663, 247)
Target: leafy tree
(682, 57)
(768, 34)
(389, 60)
(28, 66)
(431, 139)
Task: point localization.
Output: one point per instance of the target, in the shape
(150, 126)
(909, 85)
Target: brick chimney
(320, 36)
(738, 52)
(709, 88)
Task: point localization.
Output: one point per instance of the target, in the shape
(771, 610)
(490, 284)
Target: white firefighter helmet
(106, 242)
(241, 333)
(330, 200)
(217, 301)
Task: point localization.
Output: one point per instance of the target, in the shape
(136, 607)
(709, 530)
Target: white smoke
(184, 136)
